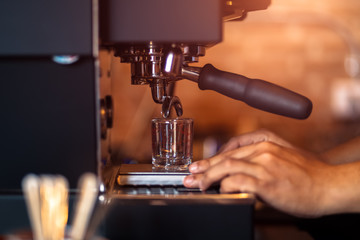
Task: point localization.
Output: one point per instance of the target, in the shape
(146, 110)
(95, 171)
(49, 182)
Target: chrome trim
(173, 199)
(95, 28)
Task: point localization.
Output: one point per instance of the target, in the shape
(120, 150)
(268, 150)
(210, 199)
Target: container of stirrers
(47, 201)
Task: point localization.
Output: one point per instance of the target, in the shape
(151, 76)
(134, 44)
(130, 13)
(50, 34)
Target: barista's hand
(290, 180)
(235, 143)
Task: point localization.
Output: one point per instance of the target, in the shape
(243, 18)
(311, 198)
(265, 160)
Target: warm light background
(299, 44)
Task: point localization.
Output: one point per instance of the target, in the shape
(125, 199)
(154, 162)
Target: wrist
(342, 189)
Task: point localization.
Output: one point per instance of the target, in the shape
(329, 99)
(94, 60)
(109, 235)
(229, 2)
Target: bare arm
(344, 153)
(258, 136)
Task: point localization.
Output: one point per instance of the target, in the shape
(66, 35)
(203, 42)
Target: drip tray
(141, 183)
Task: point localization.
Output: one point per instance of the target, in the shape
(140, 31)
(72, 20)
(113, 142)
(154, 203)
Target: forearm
(344, 153)
(343, 191)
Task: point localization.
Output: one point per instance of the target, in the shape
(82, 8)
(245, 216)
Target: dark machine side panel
(48, 122)
(41, 27)
(48, 118)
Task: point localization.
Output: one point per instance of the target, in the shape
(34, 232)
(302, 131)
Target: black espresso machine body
(50, 103)
(48, 97)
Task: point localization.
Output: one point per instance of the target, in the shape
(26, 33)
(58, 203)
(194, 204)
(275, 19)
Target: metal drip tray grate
(162, 190)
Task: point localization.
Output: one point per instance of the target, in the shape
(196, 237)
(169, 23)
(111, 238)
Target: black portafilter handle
(255, 92)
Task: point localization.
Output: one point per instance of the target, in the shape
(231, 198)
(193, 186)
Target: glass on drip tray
(172, 143)
(172, 139)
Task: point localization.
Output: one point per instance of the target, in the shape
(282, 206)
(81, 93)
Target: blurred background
(310, 47)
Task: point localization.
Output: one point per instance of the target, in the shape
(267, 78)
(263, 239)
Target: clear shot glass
(172, 143)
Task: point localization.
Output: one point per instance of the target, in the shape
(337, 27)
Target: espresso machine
(53, 118)
(161, 50)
